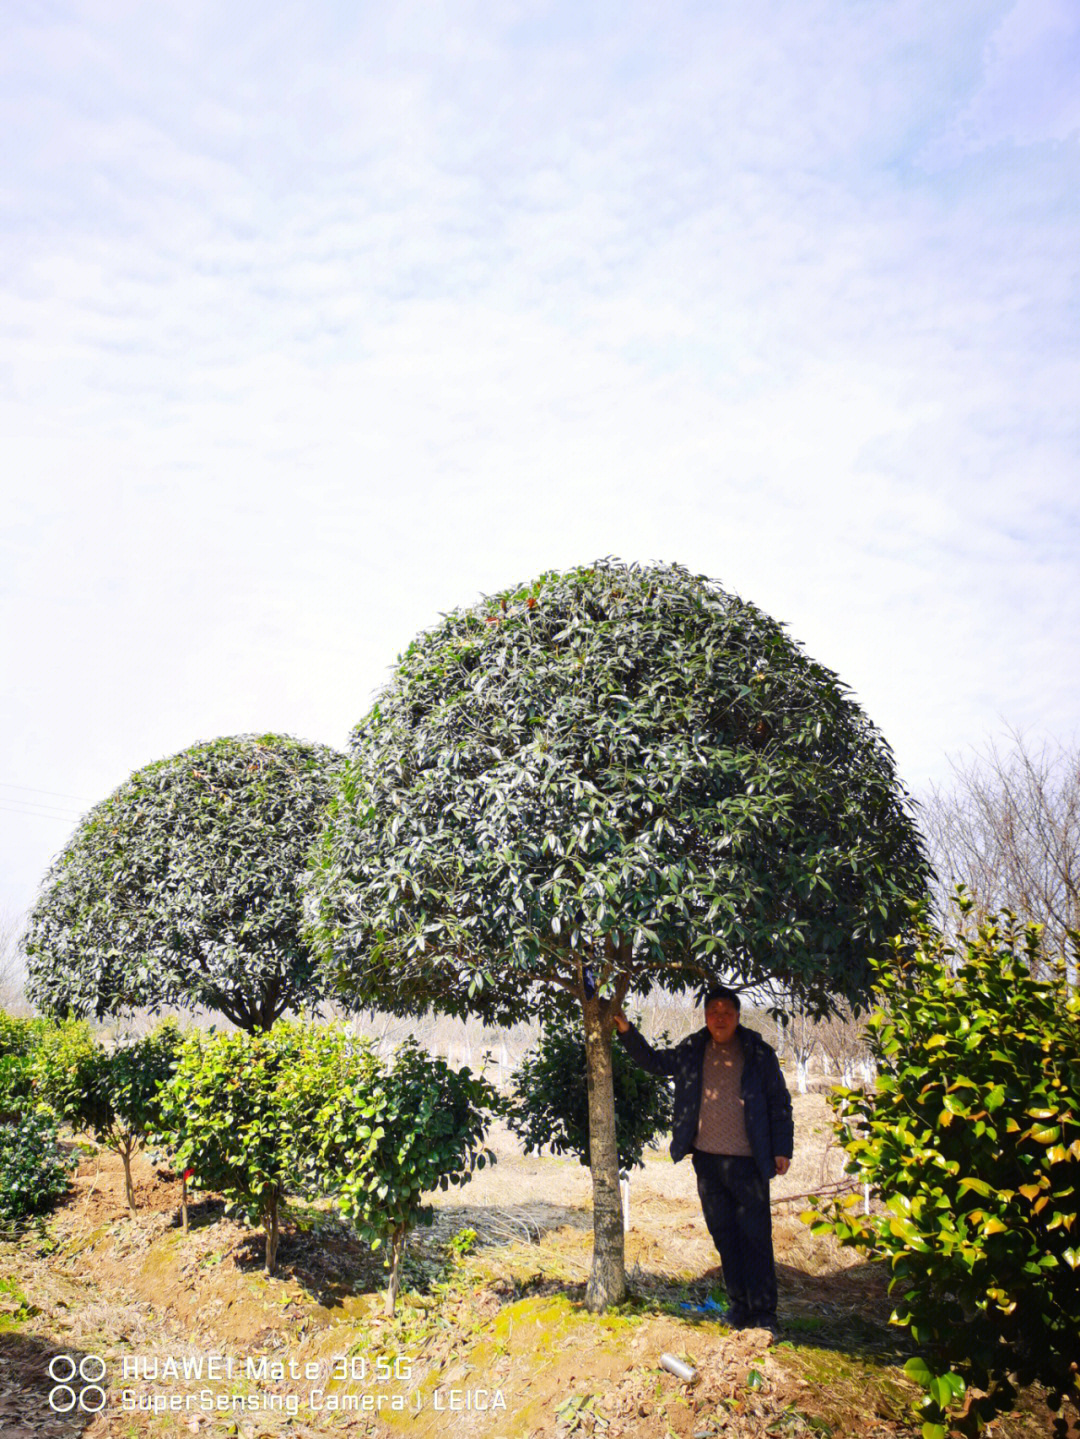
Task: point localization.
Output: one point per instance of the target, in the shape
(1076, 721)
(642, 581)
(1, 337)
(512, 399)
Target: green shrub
(114, 1093)
(18, 1040)
(301, 1109)
(239, 1110)
(16, 1085)
(550, 1104)
(395, 1131)
(132, 1078)
(972, 1137)
(64, 1065)
(20, 1036)
(34, 1172)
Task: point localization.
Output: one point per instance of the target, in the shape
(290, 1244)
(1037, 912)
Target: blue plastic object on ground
(707, 1306)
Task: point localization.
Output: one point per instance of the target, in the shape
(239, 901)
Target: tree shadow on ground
(201, 1213)
(846, 1312)
(324, 1256)
(42, 1395)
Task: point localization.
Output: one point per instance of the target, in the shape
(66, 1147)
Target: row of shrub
(298, 1107)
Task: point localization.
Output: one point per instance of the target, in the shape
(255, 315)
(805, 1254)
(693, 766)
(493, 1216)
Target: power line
(57, 794)
(67, 816)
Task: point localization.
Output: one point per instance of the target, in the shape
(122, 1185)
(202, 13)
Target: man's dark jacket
(766, 1102)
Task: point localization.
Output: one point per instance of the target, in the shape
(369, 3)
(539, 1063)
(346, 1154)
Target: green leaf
(944, 1388)
(979, 1186)
(1045, 1134)
(918, 1371)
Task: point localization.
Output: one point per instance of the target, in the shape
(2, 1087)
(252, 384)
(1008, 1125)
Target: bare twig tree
(1009, 829)
(12, 960)
(844, 1051)
(802, 1040)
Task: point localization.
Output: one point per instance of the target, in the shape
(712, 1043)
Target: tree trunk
(270, 1221)
(397, 1249)
(607, 1282)
(125, 1155)
(183, 1201)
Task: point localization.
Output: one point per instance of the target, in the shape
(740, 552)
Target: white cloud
(315, 327)
(1029, 93)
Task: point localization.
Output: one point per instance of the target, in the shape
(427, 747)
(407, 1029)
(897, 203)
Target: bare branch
(1009, 829)
(12, 960)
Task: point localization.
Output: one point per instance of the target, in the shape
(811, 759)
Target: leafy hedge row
(300, 1107)
(297, 1107)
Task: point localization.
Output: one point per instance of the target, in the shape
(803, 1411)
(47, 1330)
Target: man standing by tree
(732, 1112)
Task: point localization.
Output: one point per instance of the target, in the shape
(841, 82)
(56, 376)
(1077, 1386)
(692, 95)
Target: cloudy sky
(318, 320)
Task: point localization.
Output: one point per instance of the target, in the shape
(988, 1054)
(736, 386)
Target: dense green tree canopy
(550, 1102)
(597, 782)
(183, 887)
(618, 765)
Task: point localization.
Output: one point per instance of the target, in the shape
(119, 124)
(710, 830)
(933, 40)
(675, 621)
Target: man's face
(721, 1020)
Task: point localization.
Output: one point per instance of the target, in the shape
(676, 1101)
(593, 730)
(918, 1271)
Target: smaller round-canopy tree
(182, 887)
(550, 1091)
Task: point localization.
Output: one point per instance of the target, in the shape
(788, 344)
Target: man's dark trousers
(735, 1202)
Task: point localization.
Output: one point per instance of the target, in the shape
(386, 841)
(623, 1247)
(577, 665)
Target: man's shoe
(734, 1317)
(763, 1321)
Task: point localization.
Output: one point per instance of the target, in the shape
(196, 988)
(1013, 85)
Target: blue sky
(318, 321)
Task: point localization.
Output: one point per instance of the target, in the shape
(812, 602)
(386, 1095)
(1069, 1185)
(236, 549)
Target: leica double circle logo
(76, 1386)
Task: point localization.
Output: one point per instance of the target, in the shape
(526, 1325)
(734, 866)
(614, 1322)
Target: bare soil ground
(190, 1337)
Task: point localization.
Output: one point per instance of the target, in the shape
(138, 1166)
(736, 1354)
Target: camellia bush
(303, 1109)
(550, 1097)
(65, 1065)
(971, 1136)
(183, 887)
(18, 1040)
(237, 1114)
(115, 1093)
(34, 1171)
(394, 1131)
(20, 1036)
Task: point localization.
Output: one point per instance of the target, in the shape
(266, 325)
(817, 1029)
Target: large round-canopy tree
(183, 887)
(622, 770)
